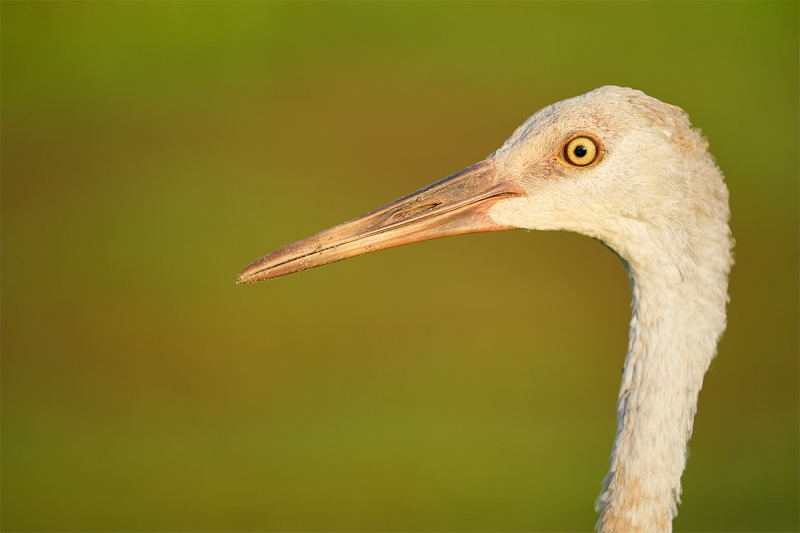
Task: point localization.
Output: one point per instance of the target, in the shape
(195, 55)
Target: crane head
(614, 164)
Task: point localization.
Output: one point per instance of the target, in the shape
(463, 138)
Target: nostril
(404, 214)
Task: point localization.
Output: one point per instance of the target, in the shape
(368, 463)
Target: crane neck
(678, 316)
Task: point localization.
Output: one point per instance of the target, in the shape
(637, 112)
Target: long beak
(455, 205)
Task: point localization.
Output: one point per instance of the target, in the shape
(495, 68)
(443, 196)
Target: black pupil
(580, 150)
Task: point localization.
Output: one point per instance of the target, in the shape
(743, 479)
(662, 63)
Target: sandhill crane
(625, 168)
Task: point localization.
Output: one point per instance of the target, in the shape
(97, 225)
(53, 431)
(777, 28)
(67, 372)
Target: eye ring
(581, 151)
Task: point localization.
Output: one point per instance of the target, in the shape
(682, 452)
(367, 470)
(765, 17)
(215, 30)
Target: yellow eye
(580, 151)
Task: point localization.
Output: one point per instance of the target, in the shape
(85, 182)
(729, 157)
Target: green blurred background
(150, 151)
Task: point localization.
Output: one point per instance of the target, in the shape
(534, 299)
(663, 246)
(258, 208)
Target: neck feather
(678, 317)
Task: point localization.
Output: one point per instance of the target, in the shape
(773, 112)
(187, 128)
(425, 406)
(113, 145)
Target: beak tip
(250, 275)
